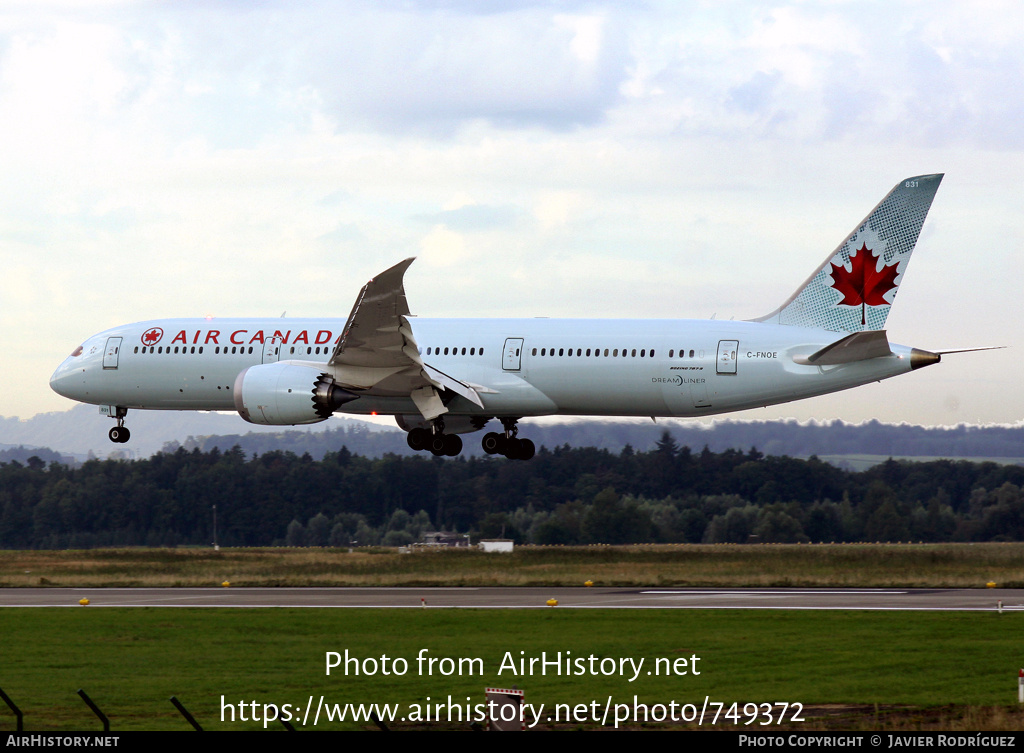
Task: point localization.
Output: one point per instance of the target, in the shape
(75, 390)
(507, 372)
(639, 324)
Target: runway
(525, 598)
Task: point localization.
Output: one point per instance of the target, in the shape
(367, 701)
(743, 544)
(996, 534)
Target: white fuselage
(519, 367)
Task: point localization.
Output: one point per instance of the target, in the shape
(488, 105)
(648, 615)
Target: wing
(372, 335)
(378, 355)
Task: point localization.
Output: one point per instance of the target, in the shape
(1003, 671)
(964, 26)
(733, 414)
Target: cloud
(247, 157)
(443, 248)
(473, 218)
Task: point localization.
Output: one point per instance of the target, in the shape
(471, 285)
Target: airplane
(441, 378)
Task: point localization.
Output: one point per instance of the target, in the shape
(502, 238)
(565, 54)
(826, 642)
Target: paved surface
(523, 598)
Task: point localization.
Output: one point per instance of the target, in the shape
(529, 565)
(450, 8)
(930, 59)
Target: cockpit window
(77, 352)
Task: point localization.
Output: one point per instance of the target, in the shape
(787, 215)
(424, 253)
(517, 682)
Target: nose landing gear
(508, 444)
(120, 433)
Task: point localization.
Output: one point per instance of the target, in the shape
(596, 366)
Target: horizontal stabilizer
(860, 346)
(969, 350)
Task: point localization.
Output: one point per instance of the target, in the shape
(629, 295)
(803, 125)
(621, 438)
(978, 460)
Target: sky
(627, 159)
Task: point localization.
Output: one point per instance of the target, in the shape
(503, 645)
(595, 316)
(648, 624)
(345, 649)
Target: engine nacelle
(283, 393)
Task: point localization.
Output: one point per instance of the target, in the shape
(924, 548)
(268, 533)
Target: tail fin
(855, 286)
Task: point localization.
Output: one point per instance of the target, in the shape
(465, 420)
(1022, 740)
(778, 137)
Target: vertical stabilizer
(855, 286)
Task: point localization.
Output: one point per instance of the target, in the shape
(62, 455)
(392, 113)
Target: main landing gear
(120, 433)
(494, 443)
(508, 444)
(435, 440)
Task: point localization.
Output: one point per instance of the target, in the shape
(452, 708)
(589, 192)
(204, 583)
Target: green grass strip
(131, 661)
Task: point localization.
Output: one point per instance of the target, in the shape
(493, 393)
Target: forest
(564, 495)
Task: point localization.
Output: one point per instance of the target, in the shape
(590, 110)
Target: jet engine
(287, 394)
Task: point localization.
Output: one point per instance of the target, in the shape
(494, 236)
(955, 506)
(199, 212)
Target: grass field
(131, 661)
(850, 670)
(850, 565)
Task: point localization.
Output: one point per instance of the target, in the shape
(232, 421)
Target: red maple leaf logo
(863, 285)
(152, 336)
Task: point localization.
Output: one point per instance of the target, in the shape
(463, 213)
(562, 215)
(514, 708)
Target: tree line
(770, 437)
(563, 496)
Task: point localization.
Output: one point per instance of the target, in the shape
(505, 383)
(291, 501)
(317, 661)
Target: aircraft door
(110, 353)
(727, 354)
(511, 359)
(272, 350)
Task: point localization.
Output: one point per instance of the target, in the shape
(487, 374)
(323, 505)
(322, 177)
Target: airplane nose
(66, 379)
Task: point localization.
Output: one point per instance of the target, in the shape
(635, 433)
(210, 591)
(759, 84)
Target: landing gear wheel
(452, 445)
(437, 445)
(513, 448)
(418, 439)
(508, 444)
(493, 443)
(119, 434)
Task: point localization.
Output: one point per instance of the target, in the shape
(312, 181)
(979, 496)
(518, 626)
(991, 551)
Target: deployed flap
(860, 346)
(428, 402)
(450, 383)
(372, 335)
